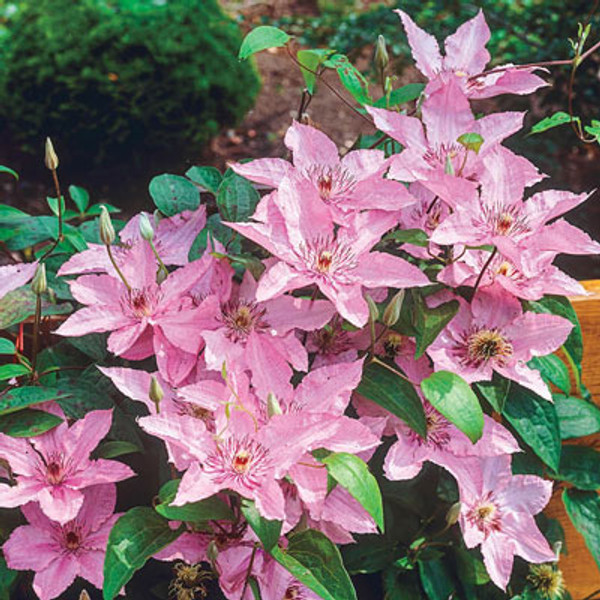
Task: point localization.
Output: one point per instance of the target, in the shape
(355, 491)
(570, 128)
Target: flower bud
(161, 274)
(156, 393)
(391, 314)
(84, 595)
(39, 283)
(387, 87)
(146, 229)
(382, 59)
(273, 406)
(453, 514)
(212, 551)
(107, 231)
(50, 157)
(373, 309)
(448, 166)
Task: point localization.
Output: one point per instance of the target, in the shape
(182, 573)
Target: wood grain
(581, 573)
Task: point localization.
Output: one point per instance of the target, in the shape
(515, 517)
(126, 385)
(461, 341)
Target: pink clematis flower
(354, 183)
(497, 510)
(433, 155)
(493, 334)
(54, 468)
(301, 233)
(58, 553)
(252, 461)
(146, 319)
(465, 60)
(173, 239)
(260, 336)
(14, 276)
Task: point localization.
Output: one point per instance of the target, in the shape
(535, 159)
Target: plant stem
(375, 360)
(119, 273)
(36, 328)
(485, 267)
(249, 571)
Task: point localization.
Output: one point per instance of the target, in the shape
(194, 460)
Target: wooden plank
(580, 571)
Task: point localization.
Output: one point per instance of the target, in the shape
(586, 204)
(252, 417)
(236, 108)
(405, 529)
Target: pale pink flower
(147, 319)
(58, 553)
(353, 183)
(497, 510)
(466, 57)
(301, 233)
(54, 468)
(493, 334)
(173, 239)
(14, 276)
(260, 336)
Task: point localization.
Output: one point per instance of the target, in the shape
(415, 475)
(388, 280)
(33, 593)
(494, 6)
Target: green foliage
(173, 194)
(583, 509)
(268, 532)
(28, 423)
(122, 80)
(262, 38)
(453, 397)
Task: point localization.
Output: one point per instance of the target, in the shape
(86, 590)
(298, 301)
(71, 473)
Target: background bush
(122, 79)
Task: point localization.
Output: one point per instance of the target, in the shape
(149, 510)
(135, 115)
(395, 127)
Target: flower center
(547, 580)
(242, 318)
(333, 183)
(324, 261)
(485, 515)
(486, 345)
(72, 541)
(55, 470)
(393, 344)
(506, 220)
(328, 258)
(293, 593)
(140, 303)
(241, 461)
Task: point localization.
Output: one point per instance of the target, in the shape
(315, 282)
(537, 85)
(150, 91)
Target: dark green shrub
(114, 80)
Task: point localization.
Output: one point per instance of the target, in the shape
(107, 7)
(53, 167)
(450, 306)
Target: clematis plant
(347, 363)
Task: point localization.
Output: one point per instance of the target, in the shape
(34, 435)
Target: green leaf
(494, 391)
(452, 396)
(395, 394)
(372, 554)
(594, 129)
(96, 209)
(18, 305)
(173, 194)
(436, 579)
(429, 322)
(558, 118)
(470, 569)
(22, 397)
(580, 466)
(353, 474)
(352, 79)
(28, 423)
(552, 369)
(9, 215)
(314, 560)
(13, 370)
(583, 509)
(312, 59)
(134, 538)
(216, 231)
(8, 170)
(80, 197)
(471, 141)
(236, 199)
(268, 532)
(115, 448)
(536, 421)
(53, 204)
(417, 237)
(576, 417)
(407, 93)
(7, 580)
(261, 38)
(7, 347)
(211, 508)
(208, 177)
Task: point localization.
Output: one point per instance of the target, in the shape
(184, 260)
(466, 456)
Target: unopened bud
(84, 595)
(387, 87)
(391, 314)
(557, 548)
(107, 231)
(273, 406)
(50, 157)
(39, 283)
(373, 309)
(156, 393)
(212, 551)
(448, 166)
(382, 59)
(146, 229)
(453, 514)
(161, 274)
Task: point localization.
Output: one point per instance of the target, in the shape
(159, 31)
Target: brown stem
(375, 360)
(249, 571)
(485, 267)
(119, 273)
(36, 332)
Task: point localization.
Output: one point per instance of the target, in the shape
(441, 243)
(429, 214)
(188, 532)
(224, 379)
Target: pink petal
(101, 471)
(125, 339)
(174, 236)
(14, 276)
(310, 147)
(270, 370)
(341, 508)
(60, 503)
(195, 485)
(310, 479)
(278, 279)
(527, 538)
(493, 307)
(378, 269)
(425, 49)
(510, 81)
(56, 577)
(30, 548)
(91, 567)
(98, 289)
(465, 49)
(529, 378)
(85, 434)
(348, 300)
(498, 556)
(287, 312)
(407, 130)
(364, 163)
(268, 171)
(538, 334)
(93, 319)
(270, 501)
(132, 383)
